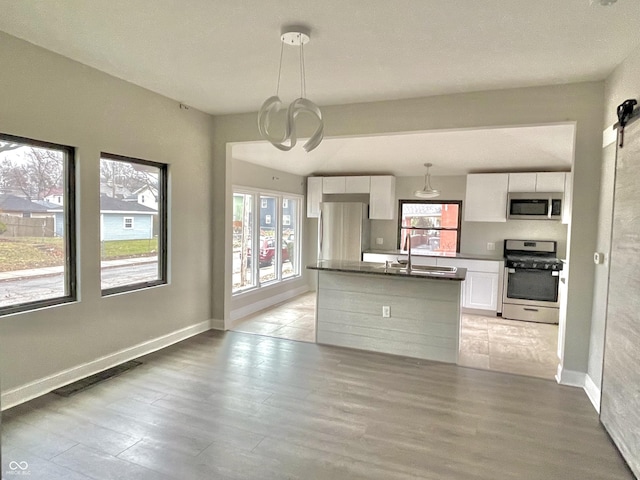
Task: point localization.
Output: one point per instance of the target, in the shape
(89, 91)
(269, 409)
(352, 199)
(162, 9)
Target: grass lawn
(21, 253)
(129, 248)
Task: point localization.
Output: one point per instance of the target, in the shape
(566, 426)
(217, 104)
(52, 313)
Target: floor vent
(90, 381)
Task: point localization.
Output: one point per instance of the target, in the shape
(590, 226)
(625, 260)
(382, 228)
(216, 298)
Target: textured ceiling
(452, 152)
(221, 56)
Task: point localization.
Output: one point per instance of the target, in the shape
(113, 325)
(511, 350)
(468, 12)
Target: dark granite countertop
(417, 253)
(372, 268)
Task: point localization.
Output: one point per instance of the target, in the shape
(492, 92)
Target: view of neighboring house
(122, 220)
(30, 218)
(147, 196)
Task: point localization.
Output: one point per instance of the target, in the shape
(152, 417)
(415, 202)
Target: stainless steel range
(532, 273)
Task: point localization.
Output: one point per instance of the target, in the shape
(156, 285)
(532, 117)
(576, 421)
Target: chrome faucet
(408, 246)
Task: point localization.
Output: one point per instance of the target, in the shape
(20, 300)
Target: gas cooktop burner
(531, 254)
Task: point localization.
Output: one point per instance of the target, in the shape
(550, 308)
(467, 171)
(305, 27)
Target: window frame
(70, 225)
(430, 202)
(258, 200)
(124, 223)
(163, 247)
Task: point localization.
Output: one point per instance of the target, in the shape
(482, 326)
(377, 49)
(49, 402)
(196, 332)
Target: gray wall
(475, 235)
(622, 84)
(48, 97)
(581, 103)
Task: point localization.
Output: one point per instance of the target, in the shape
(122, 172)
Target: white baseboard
(217, 324)
(593, 392)
(44, 385)
(570, 377)
(247, 310)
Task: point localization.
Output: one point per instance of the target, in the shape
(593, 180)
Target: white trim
(570, 377)
(217, 324)
(593, 392)
(247, 310)
(44, 385)
(609, 136)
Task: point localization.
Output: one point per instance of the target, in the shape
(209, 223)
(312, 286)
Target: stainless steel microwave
(535, 206)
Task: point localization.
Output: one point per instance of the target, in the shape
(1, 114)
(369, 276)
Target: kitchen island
(423, 309)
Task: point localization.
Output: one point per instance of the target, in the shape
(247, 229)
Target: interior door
(620, 403)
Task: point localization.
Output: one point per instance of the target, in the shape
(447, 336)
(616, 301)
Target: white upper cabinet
(522, 182)
(382, 201)
(486, 197)
(359, 184)
(314, 196)
(537, 182)
(333, 184)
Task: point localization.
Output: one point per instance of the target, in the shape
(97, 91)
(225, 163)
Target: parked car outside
(268, 252)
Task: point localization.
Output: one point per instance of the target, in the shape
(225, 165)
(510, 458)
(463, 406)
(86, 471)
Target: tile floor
(511, 346)
(487, 343)
(292, 320)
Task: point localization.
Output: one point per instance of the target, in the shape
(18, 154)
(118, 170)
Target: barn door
(620, 403)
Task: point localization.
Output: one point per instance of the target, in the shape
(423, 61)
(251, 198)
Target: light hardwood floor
(488, 343)
(238, 406)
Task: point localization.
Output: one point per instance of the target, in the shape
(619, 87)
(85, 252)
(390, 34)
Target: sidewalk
(46, 271)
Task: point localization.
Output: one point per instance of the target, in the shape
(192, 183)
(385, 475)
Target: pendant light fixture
(427, 191)
(295, 36)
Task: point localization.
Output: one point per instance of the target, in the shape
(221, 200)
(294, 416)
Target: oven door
(529, 286)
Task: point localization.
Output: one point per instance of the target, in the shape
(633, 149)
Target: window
(36, 236)
(277, 245)
(242, 272)
(433, 225)
(133, 236)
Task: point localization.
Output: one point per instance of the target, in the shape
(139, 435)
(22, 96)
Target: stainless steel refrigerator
(343, 230)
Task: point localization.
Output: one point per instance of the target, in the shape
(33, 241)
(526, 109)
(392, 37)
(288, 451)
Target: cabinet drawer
(489, 266)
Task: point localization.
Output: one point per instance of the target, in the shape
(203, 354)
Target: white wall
(475, 235)
(622, 84)
(48, 97)
(581, 103)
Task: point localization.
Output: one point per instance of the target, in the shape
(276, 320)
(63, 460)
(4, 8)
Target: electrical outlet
(379, 241)
(386, 311)
(491, 246)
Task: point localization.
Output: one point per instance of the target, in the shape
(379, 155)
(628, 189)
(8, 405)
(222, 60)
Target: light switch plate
(491, 246)
(379, 241)
(386, 311)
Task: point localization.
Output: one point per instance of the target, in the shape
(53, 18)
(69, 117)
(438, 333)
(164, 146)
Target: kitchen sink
(419, 269)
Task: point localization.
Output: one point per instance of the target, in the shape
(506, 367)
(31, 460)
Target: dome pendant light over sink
(427, 191)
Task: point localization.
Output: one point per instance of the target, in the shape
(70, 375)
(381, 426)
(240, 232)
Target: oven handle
(529, 309)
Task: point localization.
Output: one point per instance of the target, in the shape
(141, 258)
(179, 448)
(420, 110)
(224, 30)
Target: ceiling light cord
(279, 70)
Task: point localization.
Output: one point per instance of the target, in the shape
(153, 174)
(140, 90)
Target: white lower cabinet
(481, 291)
(482, 287)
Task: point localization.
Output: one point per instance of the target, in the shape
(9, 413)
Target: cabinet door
(486, 197)
(314, 196)
(333, 184)
(550, 182)
(382, 201)
(481, 291)
(359, 184)
(522, 182)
